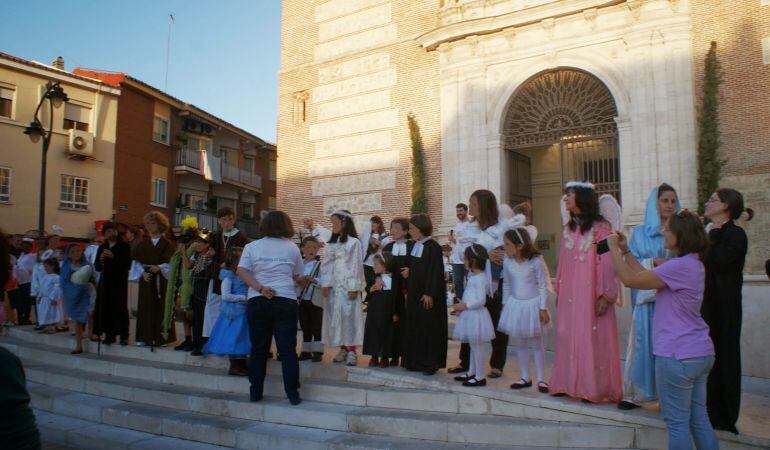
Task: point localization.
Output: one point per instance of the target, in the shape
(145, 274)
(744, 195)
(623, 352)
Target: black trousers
(22, 302)
(199, 308)
(275, 317)
(499, 343)
(310, 320)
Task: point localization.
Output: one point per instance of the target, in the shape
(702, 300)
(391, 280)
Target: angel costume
(586, 361)
(50, 300)
(646, 243)
(342, 272)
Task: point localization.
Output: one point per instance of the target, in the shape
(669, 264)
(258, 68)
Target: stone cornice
(530, 16)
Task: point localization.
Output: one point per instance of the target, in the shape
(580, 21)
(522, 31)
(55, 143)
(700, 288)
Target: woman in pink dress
(587, 360)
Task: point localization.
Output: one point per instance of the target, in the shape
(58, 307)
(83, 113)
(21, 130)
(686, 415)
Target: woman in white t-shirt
(270, 266)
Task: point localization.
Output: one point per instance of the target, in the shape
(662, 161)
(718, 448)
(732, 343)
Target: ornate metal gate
(576, 111)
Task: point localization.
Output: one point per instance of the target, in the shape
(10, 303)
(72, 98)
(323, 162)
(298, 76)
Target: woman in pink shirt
(684, 353)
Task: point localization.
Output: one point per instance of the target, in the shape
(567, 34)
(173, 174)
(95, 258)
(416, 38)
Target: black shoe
(521, 384)
(295, 400)
(625, 405)
(185, 346)
(430, 372)
(318, 356)
(458, 369)
(108, 342)
(473, 382)
(39, 327)
(464, 377)
(304, 356)
(196, 352)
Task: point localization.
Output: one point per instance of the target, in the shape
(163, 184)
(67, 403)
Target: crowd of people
(383, 293)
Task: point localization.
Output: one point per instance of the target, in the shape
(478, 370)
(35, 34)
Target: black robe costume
(398, 292)
(111, 310)
(149, 316)
(425, 330)
(379, 331)
(723, 312)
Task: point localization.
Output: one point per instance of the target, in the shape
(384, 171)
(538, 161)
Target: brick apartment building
(178, 159)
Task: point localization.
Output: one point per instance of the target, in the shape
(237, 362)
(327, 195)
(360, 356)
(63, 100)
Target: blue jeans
(682, 392)
(458, 278)
(267, 318)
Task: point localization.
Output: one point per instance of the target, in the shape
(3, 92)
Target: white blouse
(524, 280)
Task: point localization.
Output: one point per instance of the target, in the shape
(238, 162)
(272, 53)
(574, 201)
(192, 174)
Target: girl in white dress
(50, 299)
(524, 304)
(342, 280)
(474, 324)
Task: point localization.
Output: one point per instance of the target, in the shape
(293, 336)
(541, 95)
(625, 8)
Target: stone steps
(95, 422)
(368, 403)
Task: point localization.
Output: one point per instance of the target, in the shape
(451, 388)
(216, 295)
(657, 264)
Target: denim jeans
(267, 318)
(458, 278)
(682, 392)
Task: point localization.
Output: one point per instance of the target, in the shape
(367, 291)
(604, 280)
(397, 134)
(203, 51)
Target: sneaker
(352, 359)
(341, 356)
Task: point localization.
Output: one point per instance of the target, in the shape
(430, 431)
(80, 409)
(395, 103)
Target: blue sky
(224, 54)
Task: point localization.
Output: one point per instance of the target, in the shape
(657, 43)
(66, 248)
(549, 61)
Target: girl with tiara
(524, 297)
(341, 285)
(587, 359)
(230, 335)
(474, 324)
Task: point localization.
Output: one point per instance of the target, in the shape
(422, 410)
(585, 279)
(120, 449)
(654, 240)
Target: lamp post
(56, 97)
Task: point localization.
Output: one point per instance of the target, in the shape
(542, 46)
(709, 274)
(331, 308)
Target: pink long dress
(587, 360)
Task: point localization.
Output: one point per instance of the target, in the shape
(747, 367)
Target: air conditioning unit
(80, 143)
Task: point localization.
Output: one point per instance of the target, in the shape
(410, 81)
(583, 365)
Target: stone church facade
(517, 96)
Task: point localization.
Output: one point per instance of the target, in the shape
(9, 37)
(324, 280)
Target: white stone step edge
(240, 433)
(87, 435)
(354, 394)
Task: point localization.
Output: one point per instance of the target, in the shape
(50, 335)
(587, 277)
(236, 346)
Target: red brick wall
(135, 152)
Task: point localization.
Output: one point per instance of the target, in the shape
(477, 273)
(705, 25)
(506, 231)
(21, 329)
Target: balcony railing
(251, 179)
(189, 158)
(230, 172)
(209, 220)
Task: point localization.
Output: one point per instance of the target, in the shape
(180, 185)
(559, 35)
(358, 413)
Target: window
(159, 192)
(247, 210)
(160, 130)
(74, 192)
(300, 107)
(6, 102)
(193, 201)
(76, 117)
(272, 170)
(271, 203)
(5, 184)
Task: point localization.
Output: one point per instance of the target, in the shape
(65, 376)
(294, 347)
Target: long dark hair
(587, 200)
(348, 227)
(489, 213)
(665, 187)
(520, 236)
(734, 201)
(380, 225)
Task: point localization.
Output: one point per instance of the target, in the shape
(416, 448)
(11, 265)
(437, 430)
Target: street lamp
(56, 97)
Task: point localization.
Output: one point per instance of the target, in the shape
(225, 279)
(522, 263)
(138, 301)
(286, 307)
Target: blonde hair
(159, 218)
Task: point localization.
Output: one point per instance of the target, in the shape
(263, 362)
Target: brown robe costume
(149, 316)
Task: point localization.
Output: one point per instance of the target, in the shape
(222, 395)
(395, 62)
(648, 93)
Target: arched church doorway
(560, 126)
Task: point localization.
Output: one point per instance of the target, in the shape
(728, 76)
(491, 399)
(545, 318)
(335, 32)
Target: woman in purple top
(684, 353)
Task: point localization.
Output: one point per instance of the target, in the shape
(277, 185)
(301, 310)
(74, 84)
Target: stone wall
(351, 72)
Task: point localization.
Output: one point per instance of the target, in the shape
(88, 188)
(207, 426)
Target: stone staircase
(168, 398)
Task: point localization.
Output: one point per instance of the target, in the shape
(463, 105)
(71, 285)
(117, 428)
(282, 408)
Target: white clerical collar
(387, 281)
(418, 246)
(155, 240)
(230, 233)
(399, 248)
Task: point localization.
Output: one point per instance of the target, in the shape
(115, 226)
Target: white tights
(478, 360)
(523, 346)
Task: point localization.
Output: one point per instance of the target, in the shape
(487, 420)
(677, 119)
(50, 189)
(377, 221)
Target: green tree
(419, 196)
(709, 161)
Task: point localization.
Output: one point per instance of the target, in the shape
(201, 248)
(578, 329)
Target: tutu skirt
(521, 318)
(474, 326)
(230, 335)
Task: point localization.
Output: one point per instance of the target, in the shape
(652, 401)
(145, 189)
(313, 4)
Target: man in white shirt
(317, 231)
(25, 264)
(459, 239)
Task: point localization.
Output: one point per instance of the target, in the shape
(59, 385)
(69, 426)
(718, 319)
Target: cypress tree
(709, 161)
(419, 196)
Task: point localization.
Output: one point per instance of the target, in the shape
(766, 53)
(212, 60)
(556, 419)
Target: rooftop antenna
(171, 21)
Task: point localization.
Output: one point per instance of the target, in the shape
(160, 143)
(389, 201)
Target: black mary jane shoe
(295, 400)
(458, 369)
(464, 377)
(626, 405)
(521, 384)
(543, 387)
(473, 382)
(428, 373)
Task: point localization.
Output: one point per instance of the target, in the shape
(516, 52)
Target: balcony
(189, 160)
(235, 174)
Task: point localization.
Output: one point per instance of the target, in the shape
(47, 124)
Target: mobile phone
(602, 247)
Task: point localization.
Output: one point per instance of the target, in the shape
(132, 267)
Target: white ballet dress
(474, 325)
(524, 295)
